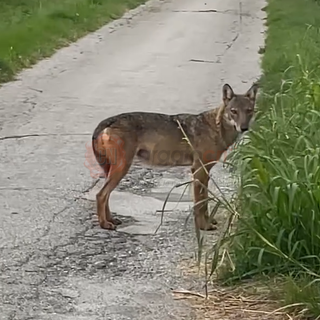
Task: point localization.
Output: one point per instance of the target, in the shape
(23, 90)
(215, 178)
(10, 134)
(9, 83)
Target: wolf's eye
(233, 111)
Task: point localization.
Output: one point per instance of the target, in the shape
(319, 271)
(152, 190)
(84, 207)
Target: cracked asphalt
(56, 263)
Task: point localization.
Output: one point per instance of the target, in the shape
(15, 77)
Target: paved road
(169, 56)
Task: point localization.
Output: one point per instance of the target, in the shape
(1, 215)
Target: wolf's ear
(227, 93)
(252, 92)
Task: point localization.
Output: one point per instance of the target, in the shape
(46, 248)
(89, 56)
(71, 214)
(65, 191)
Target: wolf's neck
(227, 132)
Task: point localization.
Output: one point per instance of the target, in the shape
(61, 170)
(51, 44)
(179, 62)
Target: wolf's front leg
(200, 188)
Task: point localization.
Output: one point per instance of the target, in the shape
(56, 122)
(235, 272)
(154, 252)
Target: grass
(33, 29)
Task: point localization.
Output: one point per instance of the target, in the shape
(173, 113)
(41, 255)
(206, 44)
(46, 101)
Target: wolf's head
(239, 108)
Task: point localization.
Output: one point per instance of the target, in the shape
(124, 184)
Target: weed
(5, 71)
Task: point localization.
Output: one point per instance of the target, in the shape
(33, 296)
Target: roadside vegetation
(33, 29)
(276, 237)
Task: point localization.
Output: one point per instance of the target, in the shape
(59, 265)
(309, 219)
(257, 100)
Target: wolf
(184, 139)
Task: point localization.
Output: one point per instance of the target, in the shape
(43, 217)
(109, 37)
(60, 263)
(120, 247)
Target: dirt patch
(229, 304)
(250, 300)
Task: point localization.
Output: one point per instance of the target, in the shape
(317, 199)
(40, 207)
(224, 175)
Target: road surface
(56, 263)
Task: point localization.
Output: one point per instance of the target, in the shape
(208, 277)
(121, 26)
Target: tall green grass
(33, 29)
(278, 229)
(279, 225)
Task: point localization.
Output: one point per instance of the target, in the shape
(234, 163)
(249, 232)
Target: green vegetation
(278, 230)
(34, 29)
